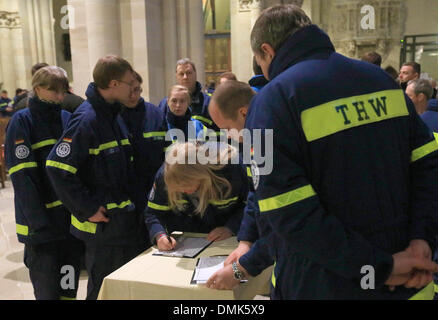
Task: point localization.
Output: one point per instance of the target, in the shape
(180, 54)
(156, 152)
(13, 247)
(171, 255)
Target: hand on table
(222, 279)
(219, 233)
(242, 248)
(164, 244)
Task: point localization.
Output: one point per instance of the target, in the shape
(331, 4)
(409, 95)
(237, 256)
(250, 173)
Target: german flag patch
(67, 140)
(18, 141)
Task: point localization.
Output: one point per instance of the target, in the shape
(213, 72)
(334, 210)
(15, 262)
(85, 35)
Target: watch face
(238, 275)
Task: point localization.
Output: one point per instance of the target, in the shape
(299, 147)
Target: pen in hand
(169, 239)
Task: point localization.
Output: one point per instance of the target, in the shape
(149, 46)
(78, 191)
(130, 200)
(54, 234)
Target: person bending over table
(190, 196)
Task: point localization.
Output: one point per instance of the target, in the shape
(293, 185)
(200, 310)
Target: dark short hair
(138, 77)
(110, 68)
(392, 72)
(372, 57)
(38, 66)
(255, 67)
(276, 24)
(232, 95)
(414, 65)
(228, 75)
(4, 91)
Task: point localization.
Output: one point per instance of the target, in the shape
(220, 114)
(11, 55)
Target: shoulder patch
(255, 174)
(22, 152)
(152, 194)
(63, 149)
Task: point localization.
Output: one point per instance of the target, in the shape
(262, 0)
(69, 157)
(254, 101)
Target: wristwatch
(238, 275)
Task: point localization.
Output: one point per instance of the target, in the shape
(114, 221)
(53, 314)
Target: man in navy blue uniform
(199, 100)
(145, 123)
(90, 168)
(229, 108)
(6, 104)
(353, 183)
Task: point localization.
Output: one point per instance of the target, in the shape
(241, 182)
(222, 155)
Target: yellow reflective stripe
(89, 227)
(53, 204)
(248, 172)
(21, 166)
(66, 298)
(427, 293)
(44, 143)
(59, 165)
(104, 146)
(201, 118)
(436, 288)
(286, 199)
(3, 104)
(158, 206)
(222, 202)
(436, 136)
(154, 134)
(110, 206)
(125, 142)
(342, 114)
(273, 280)
(424, 150)
(23, 230)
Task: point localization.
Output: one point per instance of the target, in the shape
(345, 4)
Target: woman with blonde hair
(200, 188)
(42, 222)
(179, 115)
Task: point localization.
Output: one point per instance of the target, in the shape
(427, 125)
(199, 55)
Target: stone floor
(14, 276)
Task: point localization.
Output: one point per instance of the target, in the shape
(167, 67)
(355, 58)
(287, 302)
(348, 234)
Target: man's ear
(243, 111)
(268, 50)
(112, 84)
(421, 96)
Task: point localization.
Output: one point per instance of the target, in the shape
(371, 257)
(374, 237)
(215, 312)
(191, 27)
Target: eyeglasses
(127, 83)
(137, 90)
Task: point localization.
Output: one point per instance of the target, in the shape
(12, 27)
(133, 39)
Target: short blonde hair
(179, 88)
(51, 78)
(182, 173)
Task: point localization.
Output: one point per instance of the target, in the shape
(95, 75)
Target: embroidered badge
(255, 174)
(63, 150)
(22, 152)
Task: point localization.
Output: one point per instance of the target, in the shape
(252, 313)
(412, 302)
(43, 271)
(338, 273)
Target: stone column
(8, 21)
(243, 16)
(82, 69)
(38, 32)
(103, 28)
(96, 33)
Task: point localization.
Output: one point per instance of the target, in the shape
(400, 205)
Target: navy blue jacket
(191, 127)
(91, 166)
(257, 82)
(198, 106)
(227, 212)
(31, 134)
(147, 138)
(430, 117)
(354, 171)
(256, 231)
(4, 103)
